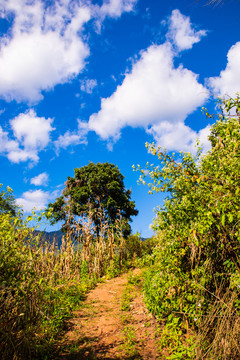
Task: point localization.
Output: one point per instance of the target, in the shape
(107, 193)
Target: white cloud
(21, 155)
(32, 131)
(88, 85)
(40, 180)
(179, 137)
(3, 140)
(154, 95)
(31, 134)
(181, 32)
(67, 139)
(115, 8)
(45, 45)
(44, 50)
(34, 62)
(11, 149)
(72, 138)
(37, 199)
(228, 83)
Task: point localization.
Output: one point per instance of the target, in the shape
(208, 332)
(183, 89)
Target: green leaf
(223, 219)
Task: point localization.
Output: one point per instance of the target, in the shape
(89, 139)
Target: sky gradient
(85, 81)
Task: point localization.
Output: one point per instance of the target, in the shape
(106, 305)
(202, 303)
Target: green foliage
(7, 201)
(113, 269)
(137, 251)
(173, 342)
(95, 188)
(134, 279)
(198, 251)
(132, 247)
(127, 296)
(129, 342)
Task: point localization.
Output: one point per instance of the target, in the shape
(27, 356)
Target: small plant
(127, 296)
(129, 342)
(134, 279)
(113, 269)
(126, 318)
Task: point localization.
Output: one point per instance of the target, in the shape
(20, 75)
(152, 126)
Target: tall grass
(40, 283)
(218, 336)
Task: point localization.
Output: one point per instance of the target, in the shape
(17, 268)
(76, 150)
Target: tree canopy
(95, 188)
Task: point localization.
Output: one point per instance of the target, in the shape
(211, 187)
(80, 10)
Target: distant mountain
(51, 236)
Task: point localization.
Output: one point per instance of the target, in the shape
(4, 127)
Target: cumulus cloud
(181, 32)
(37, 199)
(43, 48)
(179, 137)
(21, 155)
(11, 149)
(228, 83)
(155, 95)
(40, 180)
(32, 131)
(45, 44)
(31, 134)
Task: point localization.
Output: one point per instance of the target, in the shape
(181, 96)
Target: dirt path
(104, 329)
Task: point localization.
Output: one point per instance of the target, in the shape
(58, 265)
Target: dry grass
(39, 283)
(219, 333)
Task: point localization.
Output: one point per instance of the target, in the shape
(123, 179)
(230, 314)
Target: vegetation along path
(113, 323)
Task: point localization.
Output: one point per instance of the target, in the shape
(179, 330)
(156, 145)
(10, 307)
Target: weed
(134, 279)
(129, 341)
(126, 318)
(127, 296)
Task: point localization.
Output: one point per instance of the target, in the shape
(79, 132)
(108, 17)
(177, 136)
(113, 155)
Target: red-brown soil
(100, 329)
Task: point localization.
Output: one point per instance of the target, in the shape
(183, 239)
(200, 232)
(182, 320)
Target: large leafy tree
(96, 190)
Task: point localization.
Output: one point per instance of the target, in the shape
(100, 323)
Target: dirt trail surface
(102, 330)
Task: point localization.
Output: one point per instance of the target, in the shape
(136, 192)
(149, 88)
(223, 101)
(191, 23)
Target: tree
(95, 188)
(7, 201)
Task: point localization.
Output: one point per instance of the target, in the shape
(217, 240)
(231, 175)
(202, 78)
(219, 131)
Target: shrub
(197, 259)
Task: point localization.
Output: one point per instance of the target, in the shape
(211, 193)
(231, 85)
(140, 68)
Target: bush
(197, 259)
(136, 250)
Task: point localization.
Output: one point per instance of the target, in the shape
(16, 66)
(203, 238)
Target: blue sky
(95, 80)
